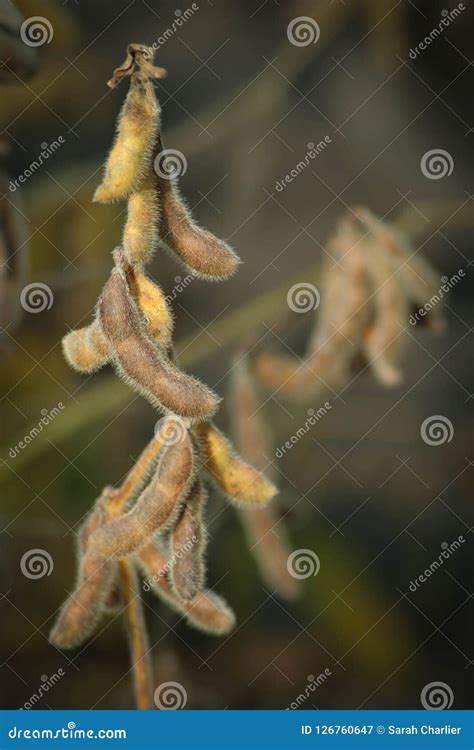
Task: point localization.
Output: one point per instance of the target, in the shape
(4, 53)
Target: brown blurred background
(362, 489)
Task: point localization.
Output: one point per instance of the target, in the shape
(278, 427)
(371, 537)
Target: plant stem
(139, 646)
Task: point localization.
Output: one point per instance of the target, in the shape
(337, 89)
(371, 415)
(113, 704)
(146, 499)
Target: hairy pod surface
(199, 250)
(130, 158)
(86, 349)
(140, 237)
(188, 542)
(142, 363)
(239, 480)
(82, 610)
(156, 509)
(207, 611)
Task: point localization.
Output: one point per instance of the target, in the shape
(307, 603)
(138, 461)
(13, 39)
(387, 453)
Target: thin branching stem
(139, 646)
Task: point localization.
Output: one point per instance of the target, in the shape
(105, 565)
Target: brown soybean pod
(81, 611)
(142, 363)
(188, 543)
(156, 508)
(207, 611)
(198, 249)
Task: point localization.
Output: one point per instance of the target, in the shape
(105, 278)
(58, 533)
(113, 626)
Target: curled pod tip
(199, 250)
(86, 349)
(207, 611)
(238, 479)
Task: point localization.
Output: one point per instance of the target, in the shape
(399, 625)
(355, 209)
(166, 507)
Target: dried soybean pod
(82, 610)
(207, 611)
(239, 480)
(198, 249)
(384, 339)
(261, 524)
(140, 237)
(86, 349)
(142, 363)
(414, 272)
(130, 158)
(188, 542)
(156, 508)
(268, 543)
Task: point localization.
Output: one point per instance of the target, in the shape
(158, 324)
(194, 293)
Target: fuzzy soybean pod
(206, 611)
(413, 271)
(199, 250)
(188, 543)
(140, 237)
(384, 340)
(239, 480)
(130, 158)
(82, 610)
(86, 349)
(143, 364)
(156, 509)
